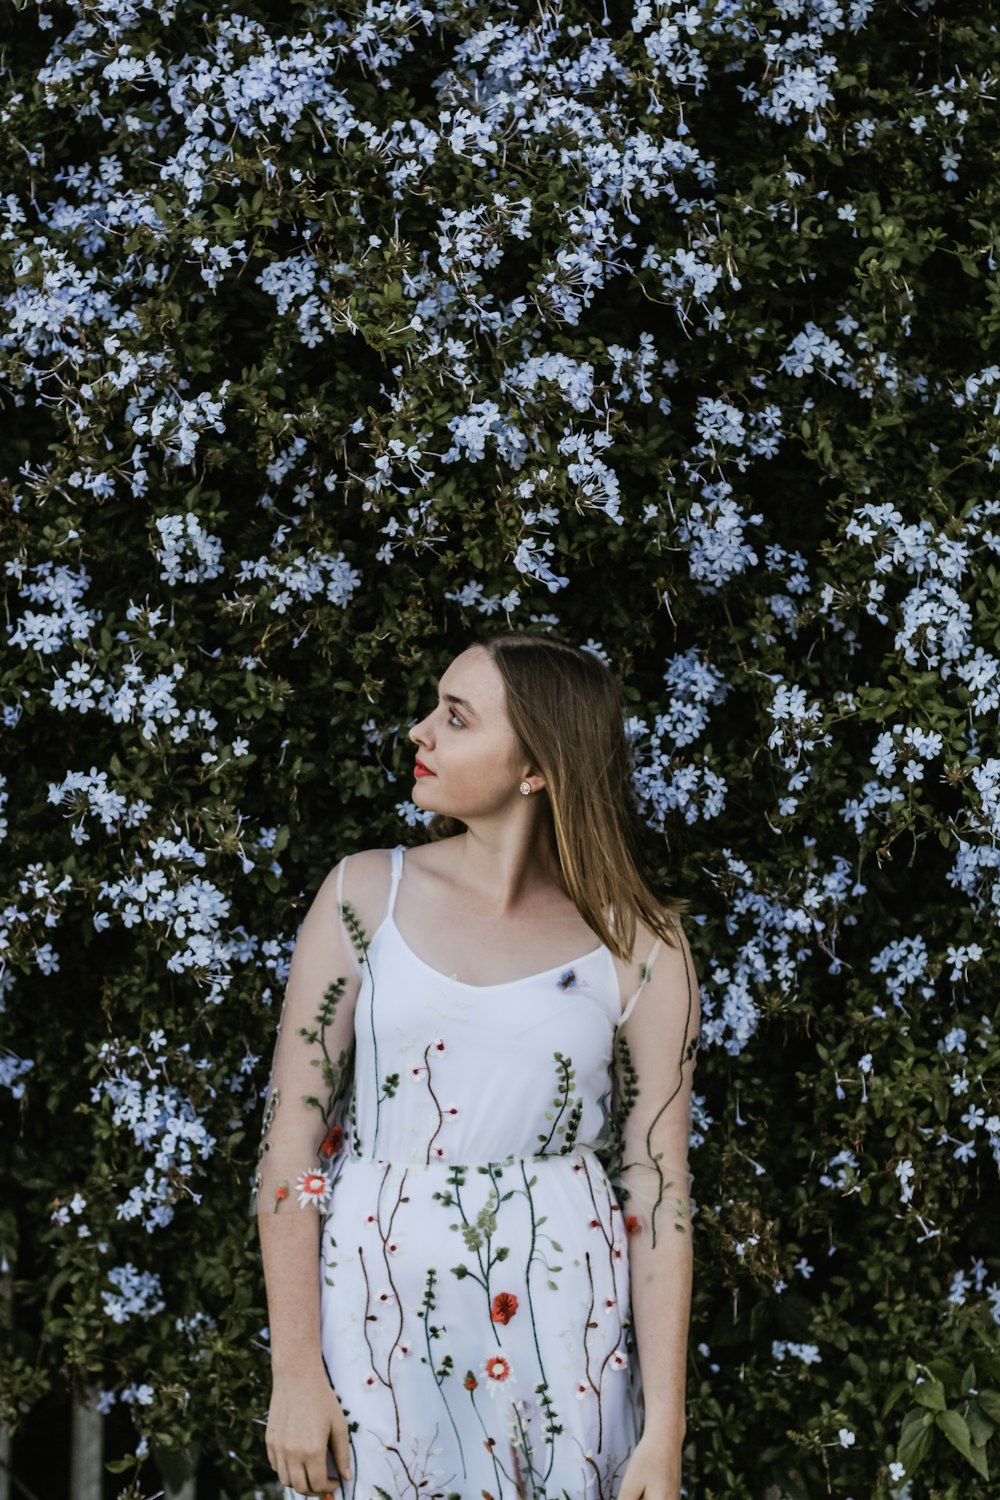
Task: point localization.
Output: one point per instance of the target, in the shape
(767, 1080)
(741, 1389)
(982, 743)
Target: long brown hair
(565, 707)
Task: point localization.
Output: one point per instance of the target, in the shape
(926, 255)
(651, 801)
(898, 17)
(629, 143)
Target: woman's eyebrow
(461, 703)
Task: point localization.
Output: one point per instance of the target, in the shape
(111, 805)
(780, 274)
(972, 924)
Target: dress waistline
(577, 1157)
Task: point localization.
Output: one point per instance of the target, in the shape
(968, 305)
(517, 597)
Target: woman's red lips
(421, 770)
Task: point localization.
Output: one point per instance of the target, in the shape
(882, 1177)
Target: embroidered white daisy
(315, 1188)
(498, 1373)
(581, 1389)
(451, 1110)
(416, 1071)
(610, 1304)
(438, 1045)
(438, 1153)
(619, 1360)
(385, 1295)
(370, 1382)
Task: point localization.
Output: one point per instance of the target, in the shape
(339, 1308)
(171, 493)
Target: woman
(486, 1120)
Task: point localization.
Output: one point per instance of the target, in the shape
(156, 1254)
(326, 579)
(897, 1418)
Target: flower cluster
(137, 1294)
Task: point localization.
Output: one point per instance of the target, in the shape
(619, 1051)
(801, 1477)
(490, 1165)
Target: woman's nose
(418, 733)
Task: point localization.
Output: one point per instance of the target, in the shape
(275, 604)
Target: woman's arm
(658, 1045)
(303, 1136)
(312, 1065)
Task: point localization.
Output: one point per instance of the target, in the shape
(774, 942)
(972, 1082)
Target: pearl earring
(525, 788)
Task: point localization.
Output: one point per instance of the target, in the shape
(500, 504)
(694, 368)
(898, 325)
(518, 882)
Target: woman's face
(469, 744)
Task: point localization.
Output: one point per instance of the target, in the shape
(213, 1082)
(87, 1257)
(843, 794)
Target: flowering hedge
(329, 343)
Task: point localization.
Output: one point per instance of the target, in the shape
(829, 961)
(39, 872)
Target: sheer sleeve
(310, 1087)
(655, 1052)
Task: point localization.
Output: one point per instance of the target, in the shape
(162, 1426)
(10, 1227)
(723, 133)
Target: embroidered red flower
(470, 1381)
(504, 1307)
(632, 1224)
(333, 1141)
(498, 1368)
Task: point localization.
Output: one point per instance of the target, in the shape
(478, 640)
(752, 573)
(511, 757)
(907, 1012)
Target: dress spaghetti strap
(646, 969)
(348, 943)
(397, 871)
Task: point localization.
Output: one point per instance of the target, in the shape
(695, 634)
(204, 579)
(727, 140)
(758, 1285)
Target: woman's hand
(654, 1470)
(304, 1421)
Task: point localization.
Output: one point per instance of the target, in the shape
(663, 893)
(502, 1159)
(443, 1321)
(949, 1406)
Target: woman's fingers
(298, 1474)
(300, 1466)
(315, 1483)
(317, 1479)
(342, 1453)
(339, 1438)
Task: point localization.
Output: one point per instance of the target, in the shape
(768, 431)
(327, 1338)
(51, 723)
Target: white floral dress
(475, 1312)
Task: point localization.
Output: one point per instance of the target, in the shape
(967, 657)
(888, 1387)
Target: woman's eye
(453, 718)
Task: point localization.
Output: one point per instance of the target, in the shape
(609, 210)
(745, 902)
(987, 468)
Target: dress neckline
(389, 921)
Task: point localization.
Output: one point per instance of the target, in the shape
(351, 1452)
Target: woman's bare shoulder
(357, 878)
(365, 864)
(647, 942)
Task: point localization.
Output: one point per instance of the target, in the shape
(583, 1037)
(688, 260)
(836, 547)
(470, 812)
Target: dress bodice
(547, 1040)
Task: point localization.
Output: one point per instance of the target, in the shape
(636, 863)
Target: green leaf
(990, 1402)
(914, 1445)
(943, 1370)
(956, 1430)
(980, 1426)
(930, 1393)
(899, 1389)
